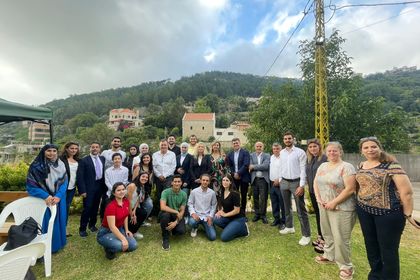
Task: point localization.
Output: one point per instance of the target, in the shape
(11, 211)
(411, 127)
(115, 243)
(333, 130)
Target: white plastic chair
(15, 263)
(35, 208)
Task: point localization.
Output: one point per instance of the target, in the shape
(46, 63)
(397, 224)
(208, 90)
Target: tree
(201, 106)
(81, 120)
(100, 132)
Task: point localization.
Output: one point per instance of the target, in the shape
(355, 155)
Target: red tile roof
(199, 117)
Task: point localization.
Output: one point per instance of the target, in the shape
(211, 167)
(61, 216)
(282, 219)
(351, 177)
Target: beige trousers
(336, 227)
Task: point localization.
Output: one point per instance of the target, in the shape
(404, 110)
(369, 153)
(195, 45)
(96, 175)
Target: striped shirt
(114, 175)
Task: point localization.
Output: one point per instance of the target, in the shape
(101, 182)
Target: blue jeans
(111, 243)
(210, 230)
(231, 228)
(148, 206)
(69, 199)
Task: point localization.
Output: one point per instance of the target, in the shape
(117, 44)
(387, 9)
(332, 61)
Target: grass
(265, 254)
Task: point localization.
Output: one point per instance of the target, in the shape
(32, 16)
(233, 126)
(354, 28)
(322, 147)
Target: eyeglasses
(374, 138)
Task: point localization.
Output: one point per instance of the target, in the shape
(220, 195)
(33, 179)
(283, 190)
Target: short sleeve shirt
(330, 182)
(230, 202)
(119, 211)
(174, 200)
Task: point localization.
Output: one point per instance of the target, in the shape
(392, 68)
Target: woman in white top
(70, 157)
(334, 187)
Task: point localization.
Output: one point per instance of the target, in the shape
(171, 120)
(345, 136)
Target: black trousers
(382, 236)
(90, 207)
(243, 188)
(165, 219)
(160, 187)
(141, 215)
(260, 194)
(316, 210)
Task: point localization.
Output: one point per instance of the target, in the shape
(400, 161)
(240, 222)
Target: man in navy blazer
(238, 162)
(183, 162)
(91, 186)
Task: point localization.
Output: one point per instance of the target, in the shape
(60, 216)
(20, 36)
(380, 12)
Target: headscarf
(46, 174)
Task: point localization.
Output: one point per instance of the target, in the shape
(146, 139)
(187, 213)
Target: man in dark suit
(260, 180)
(238, 162)
(172, 145)
(91, 186)
(183, 162)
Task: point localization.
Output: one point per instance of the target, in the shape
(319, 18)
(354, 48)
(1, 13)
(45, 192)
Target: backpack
(19, 235)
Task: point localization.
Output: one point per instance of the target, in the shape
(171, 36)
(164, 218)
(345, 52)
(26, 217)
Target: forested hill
(399, 87)
(222, 84)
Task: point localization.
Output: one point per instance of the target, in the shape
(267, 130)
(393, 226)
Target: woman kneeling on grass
(114, 235)
(334, 187)
(229, 217)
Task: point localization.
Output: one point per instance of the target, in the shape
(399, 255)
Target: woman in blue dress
(47, 179)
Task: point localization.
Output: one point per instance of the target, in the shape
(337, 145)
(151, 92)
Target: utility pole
(321, 97)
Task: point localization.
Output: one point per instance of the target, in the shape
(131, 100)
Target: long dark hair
(150, 165)
(114, 187)
(65, 154)
(232, 187)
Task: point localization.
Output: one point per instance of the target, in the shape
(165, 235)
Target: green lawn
(265, 254)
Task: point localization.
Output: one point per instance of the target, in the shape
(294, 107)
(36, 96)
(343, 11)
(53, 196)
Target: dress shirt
(236, 159)
(293, 164)
(107, 154)
(202, 203)
(181, 159)
(274, 168)
(258, 173)
(100, 165)
(164, 164)
(114, 175)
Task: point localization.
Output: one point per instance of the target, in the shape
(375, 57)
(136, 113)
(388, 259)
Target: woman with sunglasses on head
(114, 235)
(47, 179)
(229, 217)
(384, 200)
(315, 158)
(70, 158)
(334, 187)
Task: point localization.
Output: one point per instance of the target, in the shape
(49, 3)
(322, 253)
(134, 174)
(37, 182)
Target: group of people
(195, 187)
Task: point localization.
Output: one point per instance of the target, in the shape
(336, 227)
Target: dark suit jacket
(186, 177)
(176, 149)
(197, 170)
(243, 164)
(86, 175)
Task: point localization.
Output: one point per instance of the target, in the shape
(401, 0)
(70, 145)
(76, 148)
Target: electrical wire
(305, 12)
(375, 4)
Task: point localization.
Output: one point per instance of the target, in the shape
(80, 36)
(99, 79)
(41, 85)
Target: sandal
(346, 274)
(319, 249)
(322, 260)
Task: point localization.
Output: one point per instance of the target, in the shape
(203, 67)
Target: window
(203, 127)
(190, 127)
(230, 133)
(219, 133)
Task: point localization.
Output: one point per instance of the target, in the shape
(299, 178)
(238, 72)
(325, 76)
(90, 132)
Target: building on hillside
(235, 130)
(16, 150)
(38, 132)
(203, 125)
(123, 118)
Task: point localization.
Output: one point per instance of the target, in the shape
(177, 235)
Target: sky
(51, 49)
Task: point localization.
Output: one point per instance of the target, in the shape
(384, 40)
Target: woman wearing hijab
(133, 151)
(47, 179)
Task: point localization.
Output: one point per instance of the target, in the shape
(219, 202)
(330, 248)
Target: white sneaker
(287, 230)
(305, 240)
(194, 232)
(146, 224)
(138, 236)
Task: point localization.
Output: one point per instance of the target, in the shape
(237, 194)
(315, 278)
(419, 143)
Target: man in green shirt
(172, 208)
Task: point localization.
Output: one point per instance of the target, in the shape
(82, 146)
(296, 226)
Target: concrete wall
(202, 129)
(410, 163)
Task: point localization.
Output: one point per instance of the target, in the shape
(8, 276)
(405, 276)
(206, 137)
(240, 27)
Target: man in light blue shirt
(202, 207)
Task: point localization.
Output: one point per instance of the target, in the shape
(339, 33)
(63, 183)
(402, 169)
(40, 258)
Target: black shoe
(109, 255)
(264, 220)
(165, 245)
(93, 229)
(256, 218)
(83, 233)
(282, 226)
(275, 223)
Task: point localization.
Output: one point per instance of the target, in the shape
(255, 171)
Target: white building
(129, 117)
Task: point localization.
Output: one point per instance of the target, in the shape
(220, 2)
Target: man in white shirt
(293, 180)
(164, 165)
(277, 204)
(115, 148)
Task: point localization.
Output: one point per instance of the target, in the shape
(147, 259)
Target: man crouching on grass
(172, 208)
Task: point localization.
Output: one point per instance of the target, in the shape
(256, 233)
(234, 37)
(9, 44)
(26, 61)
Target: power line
(305, 12)
(380, 21)
(373, 4)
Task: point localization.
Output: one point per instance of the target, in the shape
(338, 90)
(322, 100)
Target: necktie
(98, 170)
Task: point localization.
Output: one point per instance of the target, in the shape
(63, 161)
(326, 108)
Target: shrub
(13, 176)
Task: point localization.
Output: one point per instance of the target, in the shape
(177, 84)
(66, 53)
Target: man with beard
(172, 145)
(193, 143)
(164, 165)
(115, 148)
(292, 182)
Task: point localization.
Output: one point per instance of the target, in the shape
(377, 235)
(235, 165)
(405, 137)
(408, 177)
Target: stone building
(203, 125)
(127, 117)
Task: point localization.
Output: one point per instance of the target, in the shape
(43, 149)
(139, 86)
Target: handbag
(415, 223)
(19, 235)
